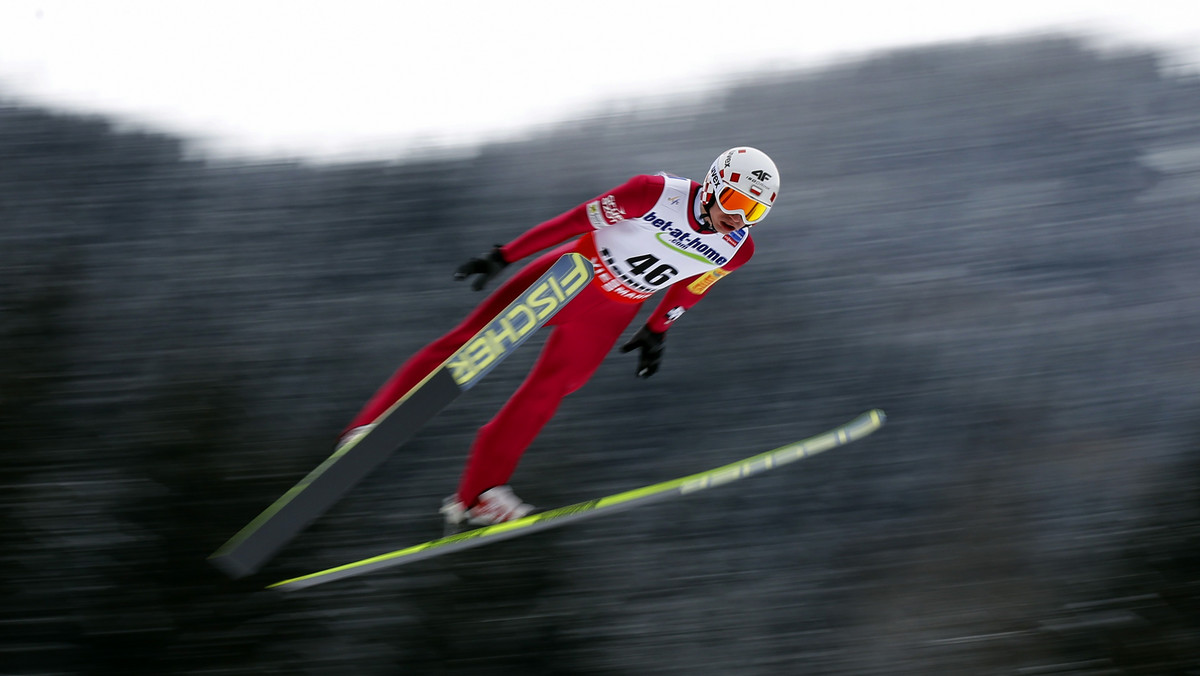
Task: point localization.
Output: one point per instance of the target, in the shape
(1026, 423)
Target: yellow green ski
(275, 526)
(856, 429)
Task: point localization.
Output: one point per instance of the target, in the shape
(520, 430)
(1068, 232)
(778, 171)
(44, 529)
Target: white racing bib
(635, 257)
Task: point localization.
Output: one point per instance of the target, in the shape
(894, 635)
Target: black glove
(486, 266)
(651, 343)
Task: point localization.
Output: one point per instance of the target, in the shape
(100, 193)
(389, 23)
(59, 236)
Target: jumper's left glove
(651, 343)
(486, 266)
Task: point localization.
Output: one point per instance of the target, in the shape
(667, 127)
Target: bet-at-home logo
(686, 243)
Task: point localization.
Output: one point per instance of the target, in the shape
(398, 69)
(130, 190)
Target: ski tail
(854, 430)
(259, 540)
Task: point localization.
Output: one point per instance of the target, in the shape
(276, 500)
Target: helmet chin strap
(705, 218)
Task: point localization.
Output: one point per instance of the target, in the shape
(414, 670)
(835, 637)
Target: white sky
(374, 77)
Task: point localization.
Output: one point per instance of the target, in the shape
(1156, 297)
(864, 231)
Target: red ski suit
(584, 330)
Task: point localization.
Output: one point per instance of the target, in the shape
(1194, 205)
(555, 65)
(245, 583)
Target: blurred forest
(996, 243)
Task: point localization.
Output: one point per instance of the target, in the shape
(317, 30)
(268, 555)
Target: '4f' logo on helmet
(760, 175)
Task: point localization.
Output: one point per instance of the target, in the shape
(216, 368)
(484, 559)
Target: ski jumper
(643, 236)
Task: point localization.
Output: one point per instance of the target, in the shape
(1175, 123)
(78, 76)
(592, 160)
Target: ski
(254, 544)
(856, 429)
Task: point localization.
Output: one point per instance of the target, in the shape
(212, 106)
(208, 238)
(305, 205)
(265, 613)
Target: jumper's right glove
(651, 343)
(486, 266)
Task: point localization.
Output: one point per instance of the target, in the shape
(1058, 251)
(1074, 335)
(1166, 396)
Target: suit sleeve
(683, 295)
(632, 199)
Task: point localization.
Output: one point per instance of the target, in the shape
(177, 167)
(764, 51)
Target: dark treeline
(995, 243)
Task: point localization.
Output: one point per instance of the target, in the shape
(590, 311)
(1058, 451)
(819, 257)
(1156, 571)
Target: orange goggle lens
(733, 202)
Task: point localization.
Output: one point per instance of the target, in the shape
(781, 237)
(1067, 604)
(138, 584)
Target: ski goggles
(733, 202)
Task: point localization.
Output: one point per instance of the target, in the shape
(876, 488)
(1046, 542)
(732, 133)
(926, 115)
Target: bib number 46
(644, 266)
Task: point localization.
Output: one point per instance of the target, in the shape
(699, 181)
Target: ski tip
(231, 566)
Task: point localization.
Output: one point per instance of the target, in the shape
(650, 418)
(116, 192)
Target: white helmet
(742, 181)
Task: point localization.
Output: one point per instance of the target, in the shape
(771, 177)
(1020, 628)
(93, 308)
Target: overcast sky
(373, 77)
